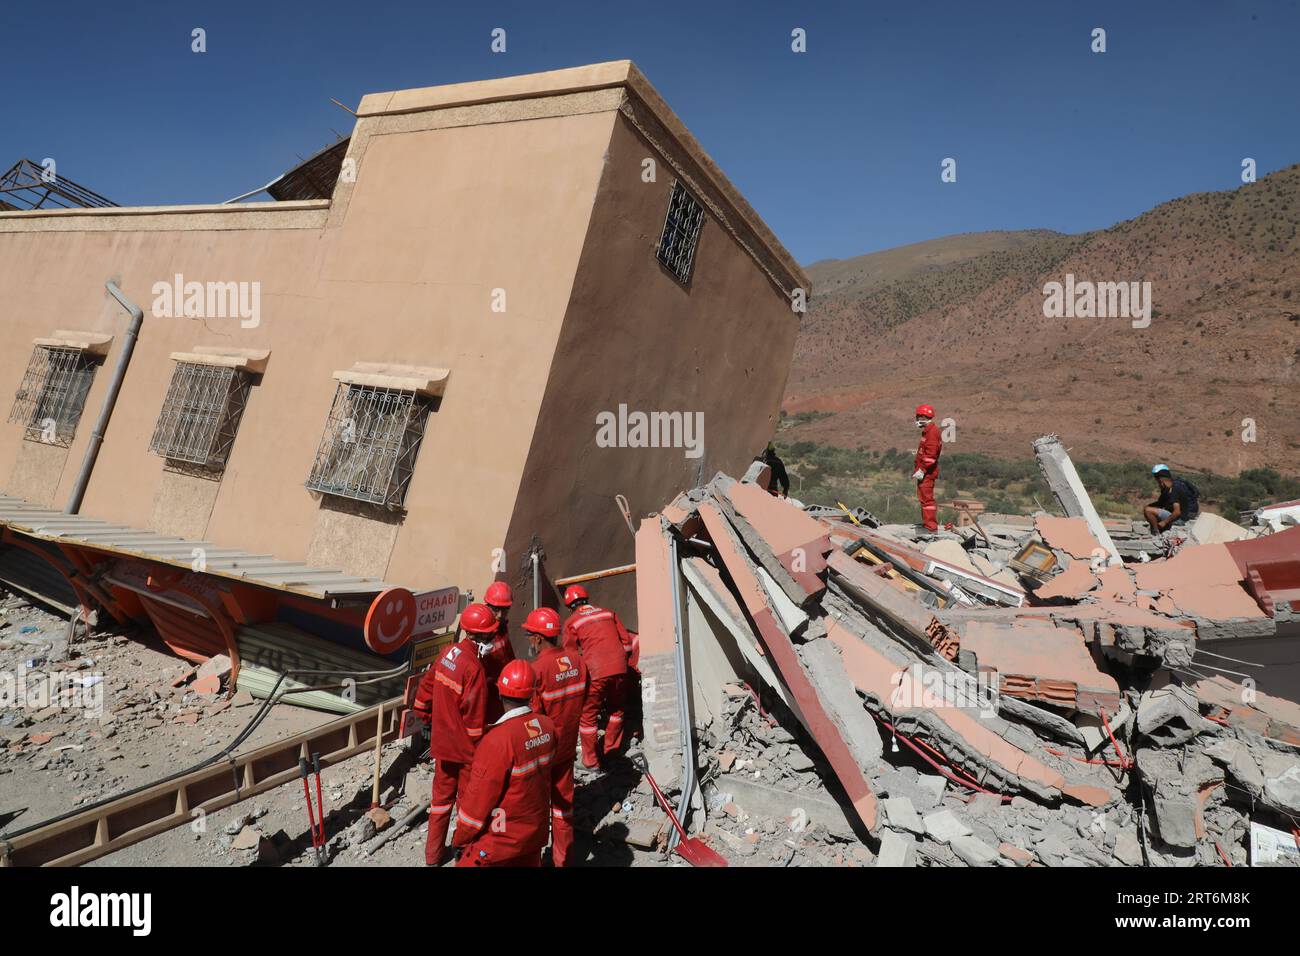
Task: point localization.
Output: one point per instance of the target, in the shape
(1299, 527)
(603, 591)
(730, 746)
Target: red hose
(1114, 743)
(951, 775)
(1223, 856)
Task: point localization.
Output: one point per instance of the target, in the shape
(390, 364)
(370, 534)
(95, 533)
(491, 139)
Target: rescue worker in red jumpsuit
(504, 816)
(604, 644)
(927, 466)
(561, 693)
(499, 598)
(452, 699)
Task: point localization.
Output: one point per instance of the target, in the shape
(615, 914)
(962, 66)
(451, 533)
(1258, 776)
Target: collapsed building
(1054, 704)
(394, 374)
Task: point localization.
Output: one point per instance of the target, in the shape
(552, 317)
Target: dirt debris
(993, 725)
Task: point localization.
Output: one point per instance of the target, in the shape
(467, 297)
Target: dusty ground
(129, 726)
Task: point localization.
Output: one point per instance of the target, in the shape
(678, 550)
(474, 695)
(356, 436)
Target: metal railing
(371, 440)
(200, 414)
(681, 233)
(52, 394)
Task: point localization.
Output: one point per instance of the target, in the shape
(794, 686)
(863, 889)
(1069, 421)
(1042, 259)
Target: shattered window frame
(52, 394)
(200, 414)
(683, 223)
(371, 440)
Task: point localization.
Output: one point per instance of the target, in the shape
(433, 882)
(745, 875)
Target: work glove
(918, 475)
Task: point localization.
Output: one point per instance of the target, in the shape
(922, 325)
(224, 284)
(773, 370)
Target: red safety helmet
(543, 621)
(478, 619)
(574, 592)
(925, 411)
(498, 595)
(518, 680)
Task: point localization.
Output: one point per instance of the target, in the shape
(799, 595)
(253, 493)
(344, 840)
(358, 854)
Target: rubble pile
(1006, 693)
(89, 719)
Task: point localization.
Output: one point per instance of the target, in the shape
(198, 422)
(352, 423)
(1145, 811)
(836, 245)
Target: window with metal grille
(201, 414)
(52, 394)
(681, 233)
(368, 450)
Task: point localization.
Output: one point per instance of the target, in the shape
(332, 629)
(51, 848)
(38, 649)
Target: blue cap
(1159, 468)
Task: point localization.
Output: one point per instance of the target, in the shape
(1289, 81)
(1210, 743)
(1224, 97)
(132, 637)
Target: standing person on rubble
(1179, 501)
(452, 700)
(605, 646)
(504, 816)
(778, 477)
(927, 467)
(499, 598)
(561, 695)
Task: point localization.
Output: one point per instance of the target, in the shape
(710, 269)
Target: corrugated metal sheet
(36, 577)
(260, 569)
(193, 636)
(266, 650)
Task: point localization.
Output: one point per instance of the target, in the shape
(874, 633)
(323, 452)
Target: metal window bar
(681, 233)
(52, 394)
(200, 414)
(368, 450)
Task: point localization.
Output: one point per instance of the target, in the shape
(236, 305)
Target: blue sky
(839, 148)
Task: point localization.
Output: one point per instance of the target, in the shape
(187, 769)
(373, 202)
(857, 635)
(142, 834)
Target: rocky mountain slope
(959, 322)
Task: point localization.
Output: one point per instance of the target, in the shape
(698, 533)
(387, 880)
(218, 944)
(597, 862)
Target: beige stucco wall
(455, 196)
(436, 220)
(635, 335)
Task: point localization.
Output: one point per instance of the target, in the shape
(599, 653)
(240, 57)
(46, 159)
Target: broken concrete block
(901, 815)
(802, 810)
(207, 684)
(1063, 479)
(933, 786)
(1071, 584)
(825, 667)
(759, 474)
(1070, 535)
(1127, 848)
(1204, 582)
(799, 762)
(944, 827)
(952, 552)
(218, 666)
(1281, 781)
(1179, 782)
(643, 833)
(1209, 528)
(983, 804)
(1176, 820)
(896, 849)
(1170, 716)
(658, 647)
(788, 543)
(246, 840)
(827, 722)
(1043, 661)
(1017, 855)
(1251, 709)
(974, 851)
(1044, 722)
(1236, 758)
